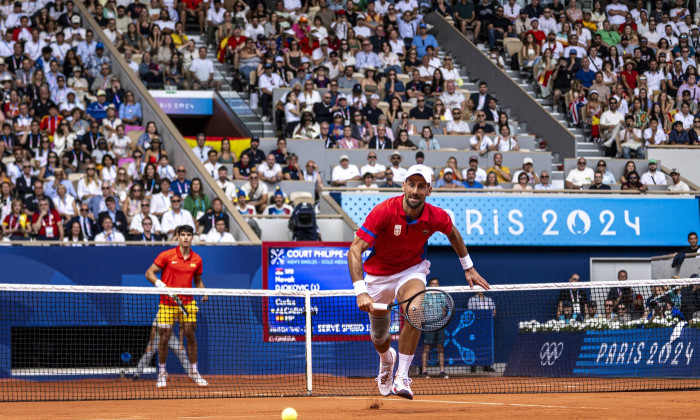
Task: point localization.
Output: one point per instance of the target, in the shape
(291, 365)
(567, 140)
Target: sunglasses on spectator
(544, 176)
(181, 170)
(581, 162)
(421, 100)
(633, 178)
(175, 201)
(83, 210)
(601, 164)
(145, 204)
(372, 156)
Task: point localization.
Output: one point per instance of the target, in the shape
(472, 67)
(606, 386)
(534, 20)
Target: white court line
(465, 402)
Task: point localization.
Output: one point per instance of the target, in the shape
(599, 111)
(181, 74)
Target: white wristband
(466, 262)
(360, 287)
(160, 284)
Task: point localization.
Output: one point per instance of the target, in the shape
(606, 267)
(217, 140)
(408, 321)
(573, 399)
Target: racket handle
(380, 306)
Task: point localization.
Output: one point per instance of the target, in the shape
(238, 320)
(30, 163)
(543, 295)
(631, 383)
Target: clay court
(676, 404)
(213, 402)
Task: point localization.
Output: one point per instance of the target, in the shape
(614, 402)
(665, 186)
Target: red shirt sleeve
(372, 225)
(442, 222)
(161, 260)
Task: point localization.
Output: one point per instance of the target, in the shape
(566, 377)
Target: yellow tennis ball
(289, 414)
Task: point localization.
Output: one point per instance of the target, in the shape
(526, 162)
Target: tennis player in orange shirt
(179, 266)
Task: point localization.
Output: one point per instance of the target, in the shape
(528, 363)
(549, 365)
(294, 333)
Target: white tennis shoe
(386, 375)
(402, 385)
(197, 378)
(162, 380)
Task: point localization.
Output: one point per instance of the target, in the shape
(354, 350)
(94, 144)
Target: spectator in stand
(180, 185)
(502, 172)
(116, 216)
(470, 180)
(633, 182)
(377, 170)
(678, 135)
(611, 122)
(630, 139)
(447, 181)
(578, 298)
(268, 82)
(136, 227)
(219, 234)
(46, 222)
(652, 176)
(207, 222)
(197, 202)
(421, 111)
(598, 182)
(344, 172)
(499, 27)
(545, 182)
(256, 155)
(677, 184)
(270, 172)
(579, 176)
(109, 233)
(177, 216)
(256, 192)
(202, 72)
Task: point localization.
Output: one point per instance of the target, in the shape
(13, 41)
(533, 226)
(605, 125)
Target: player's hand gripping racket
(428, 310)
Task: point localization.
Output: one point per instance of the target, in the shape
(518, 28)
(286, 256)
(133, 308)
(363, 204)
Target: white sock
(385, 358)
(404, 362)
(161, 368)
(193, 368)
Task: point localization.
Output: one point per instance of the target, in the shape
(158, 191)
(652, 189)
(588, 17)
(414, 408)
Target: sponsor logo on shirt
(397, 230)
(193, 265)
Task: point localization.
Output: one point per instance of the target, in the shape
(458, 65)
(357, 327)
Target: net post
(307, 335)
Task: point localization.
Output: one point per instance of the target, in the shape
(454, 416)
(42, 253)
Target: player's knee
(379, 328)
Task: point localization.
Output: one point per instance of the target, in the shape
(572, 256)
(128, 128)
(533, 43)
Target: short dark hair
(184, 228)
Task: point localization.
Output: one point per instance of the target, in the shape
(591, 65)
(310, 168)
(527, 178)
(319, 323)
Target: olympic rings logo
(550, 352)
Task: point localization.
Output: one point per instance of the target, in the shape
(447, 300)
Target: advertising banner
(185, 102)
(639, 352)
(485, 219)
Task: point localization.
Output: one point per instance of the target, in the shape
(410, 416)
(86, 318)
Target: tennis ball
(289, 414)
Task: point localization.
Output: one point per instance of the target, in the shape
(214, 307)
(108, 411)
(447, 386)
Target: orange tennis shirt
(178, 272)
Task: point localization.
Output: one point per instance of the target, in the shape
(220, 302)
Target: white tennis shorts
(384, 289)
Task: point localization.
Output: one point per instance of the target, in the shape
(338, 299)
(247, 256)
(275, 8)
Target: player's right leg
(408, 339)
(165, 319)
(190, 327)
(381, 290)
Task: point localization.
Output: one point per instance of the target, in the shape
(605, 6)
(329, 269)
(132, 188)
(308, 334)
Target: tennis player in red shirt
(397, 231)
(179, 267)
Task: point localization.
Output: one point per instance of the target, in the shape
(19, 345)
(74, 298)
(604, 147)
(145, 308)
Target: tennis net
(94, 343)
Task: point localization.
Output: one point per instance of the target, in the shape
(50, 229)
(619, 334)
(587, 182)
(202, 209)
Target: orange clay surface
(682, 405)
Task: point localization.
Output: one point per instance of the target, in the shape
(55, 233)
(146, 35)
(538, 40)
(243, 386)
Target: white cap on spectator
(693, 27)
(305, 60)
(75, 19)
(447, 171)
(341, 96)
(421, 170)
(343, 157)
(279, 58)
(374, 96)
(527, 160)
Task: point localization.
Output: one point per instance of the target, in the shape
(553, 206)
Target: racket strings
(430, 311)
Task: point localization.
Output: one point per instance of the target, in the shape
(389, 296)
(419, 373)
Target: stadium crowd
(71, 170)
(371, 76)
(625, 73)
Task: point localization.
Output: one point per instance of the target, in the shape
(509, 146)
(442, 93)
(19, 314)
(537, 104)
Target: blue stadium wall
(240, 267)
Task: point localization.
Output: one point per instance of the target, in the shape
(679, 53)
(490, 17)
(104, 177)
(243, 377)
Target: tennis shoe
(386, 375)
(162, 380)
(197, 378)
(402, 385)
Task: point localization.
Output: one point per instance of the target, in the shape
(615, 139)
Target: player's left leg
(408, 339)
(190, 328)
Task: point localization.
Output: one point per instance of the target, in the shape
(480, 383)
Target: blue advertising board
(313, 266)
(639, 352)
(184, 102)
(485, 219)
(468, 339)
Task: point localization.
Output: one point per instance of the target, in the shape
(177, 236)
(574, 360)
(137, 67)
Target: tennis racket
(429, 310)
(179, 304)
